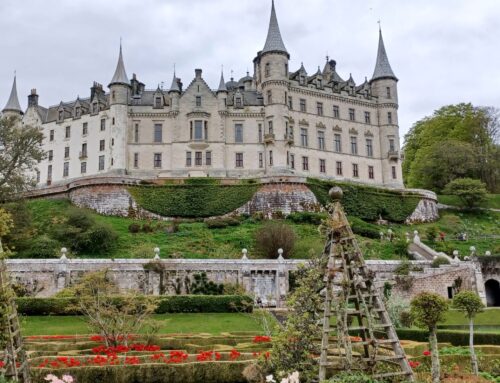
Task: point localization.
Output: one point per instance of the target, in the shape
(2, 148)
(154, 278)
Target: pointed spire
(13, 103)
(222, 84)
(382, 67)
(274, 42)
(175, 84)
(120, 76)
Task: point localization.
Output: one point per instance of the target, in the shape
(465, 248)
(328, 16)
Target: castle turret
(175, 93)
(119, 85)
(384, 81)
(222, 93)
(13, 108)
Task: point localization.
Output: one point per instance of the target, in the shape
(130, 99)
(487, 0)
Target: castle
(276, 122)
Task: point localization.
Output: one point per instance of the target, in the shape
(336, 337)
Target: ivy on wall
(368, 202)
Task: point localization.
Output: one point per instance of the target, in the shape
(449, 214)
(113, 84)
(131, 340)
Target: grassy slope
(492, 201)
(490, 317)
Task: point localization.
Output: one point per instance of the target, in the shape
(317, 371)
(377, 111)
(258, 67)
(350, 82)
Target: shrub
(101, 238)
(220, 223)
(147, 227)
(400, 247)
(42, 247)
(431, 233)
(395, 307)
(134, 228)
(363, 228)
(352, 377)
(470, 191)
(273, 236)
(307, 217)
(403, 268)
(405, 319)
(80, 218)
(440, 261)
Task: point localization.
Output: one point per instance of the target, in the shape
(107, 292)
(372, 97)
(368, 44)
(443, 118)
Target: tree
(427, 309)
(113, 314)
(470, 304)
(272, 236)
(471, 192)
(20, 151)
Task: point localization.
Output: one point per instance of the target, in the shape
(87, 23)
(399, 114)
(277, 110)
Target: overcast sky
(443, 51)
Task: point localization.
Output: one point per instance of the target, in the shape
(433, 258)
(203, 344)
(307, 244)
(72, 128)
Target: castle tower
(175, 93)
(384, 86)
(222, 93)
(13, 108)
(271, 66)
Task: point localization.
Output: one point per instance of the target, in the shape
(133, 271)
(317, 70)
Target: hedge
(166, 304)
(192, 201)
(368, 202)
(456, 338)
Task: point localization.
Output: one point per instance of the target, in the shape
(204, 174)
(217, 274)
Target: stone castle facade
(276, 122)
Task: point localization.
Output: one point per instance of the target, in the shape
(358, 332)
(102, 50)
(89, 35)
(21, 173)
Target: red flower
(2, 364)
(261, 339)
(427, 352)
(414, 364)
(233, 355)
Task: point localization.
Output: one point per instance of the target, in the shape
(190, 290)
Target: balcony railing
(269, 138)
(393, 155)
(82, 155)
(289, 139)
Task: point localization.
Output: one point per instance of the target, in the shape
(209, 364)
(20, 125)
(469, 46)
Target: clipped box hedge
(456, 338)
(166, 304)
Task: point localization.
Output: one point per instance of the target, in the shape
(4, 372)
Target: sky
(443, 52)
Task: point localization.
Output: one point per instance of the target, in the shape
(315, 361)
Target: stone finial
(487, 253)
(280, 255)
(472, 250)
(336, 193)
(244, 256)
(407, 235)
(63, 254)
(157, 253)
(416, 238)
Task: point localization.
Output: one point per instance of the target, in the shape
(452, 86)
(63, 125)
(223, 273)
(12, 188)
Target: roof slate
(274, 42)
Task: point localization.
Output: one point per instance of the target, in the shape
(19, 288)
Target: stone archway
(492, 288)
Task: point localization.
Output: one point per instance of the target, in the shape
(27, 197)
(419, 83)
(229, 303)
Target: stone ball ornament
(336, 193)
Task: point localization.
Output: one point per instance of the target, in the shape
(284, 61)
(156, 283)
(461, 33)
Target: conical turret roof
(175, 85)
(13, 103)
(222, 83)
(274, 42)
(382, 67)
(120, 76)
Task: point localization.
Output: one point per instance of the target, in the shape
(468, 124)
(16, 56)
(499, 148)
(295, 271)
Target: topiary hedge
(368, 202)
(194, 200)
(166, 304)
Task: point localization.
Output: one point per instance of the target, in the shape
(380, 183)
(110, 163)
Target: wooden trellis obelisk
(15, 361)
(365, 335)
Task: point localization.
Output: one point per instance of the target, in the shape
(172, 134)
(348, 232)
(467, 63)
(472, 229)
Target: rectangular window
(208, 158)
(388, 92)
(352, 114)
(136, 160)
(66, 169)
(269, 97)
(389, 118)
(61, 115)
(270, 158)
(83, 167)
(394, 174)
(158, 133)
(322, 166)
(101, 162)
(392, 146)
(198, 158)
(188, 158)
(136, 132)
(270, 124)
(49, 173)
(198, 101)
(158, 102)
(239, 160)
(369, 147)
(260, 132)
(238, 102)
(83, 154)
(305, 163)
(102, 145)
(319, 107)
(321, 140)
(336, 113)
(95, 107)
(238, 133)
(261, 160)
(367, 118)
(337, 139)
(354, 145)
(371, 174)
(198, 130)
(66, 152)
(303, 105)
(339, 168)
(290, 102)
(51, 135)
(292, 161)
(51, 155)
(303, 137)
(67, 133)
(85, 129)
(103, 124)
(157, 160)
(355, 170)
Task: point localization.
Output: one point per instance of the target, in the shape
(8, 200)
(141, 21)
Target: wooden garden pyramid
(363, 337)
(15, 362)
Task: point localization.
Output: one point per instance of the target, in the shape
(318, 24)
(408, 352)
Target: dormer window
(78, 111)
(95, 108)
(268, 70)
(158, 103)
(319, 83)
(61, 115)
(302, 80)
(238, 102)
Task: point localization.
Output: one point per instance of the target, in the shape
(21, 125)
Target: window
(267, 70)
(319, 83)
(319, 107)
(78, 111)
(66, 169)
(337, 139)
(352, 114)
(303, 105)
(290, 102)
(388, 92)
(67, 133)
(371, 174)
(51, 135)
(51, 155)
(286, 69)
(83, 167)
(238, 133)
(303, 137)
(270, 158)
(367, 117)
(270, 124)
(198, 130)
(95, 107)
(354, 145)
(305, 163)
(394, 175)
(208, 158)
(336, 113)
(198, 158)
(61, 115)
(136, 160)
(369, 147)
(238, 102)
(392, 146)
(261, 160)
(198, 101)
(158, 102)
(292, 161)
(239, 160)
(102, 145)
(188, 158)
(83, 154)
(157, 160)
(321, 140)
(103, 124)
(158, 133)
(322, 166)
(113, 121)
(355, 170)
(85, 129)
(339, 168)
(136, 132)
(260, 132)
(66, 152)
(206, 130)
(269, 97)
(389, 118)
(49, 173)
(101, 162)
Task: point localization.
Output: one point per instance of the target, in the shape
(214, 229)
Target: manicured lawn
(213, 323)
(492, 201)
(490, 317)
